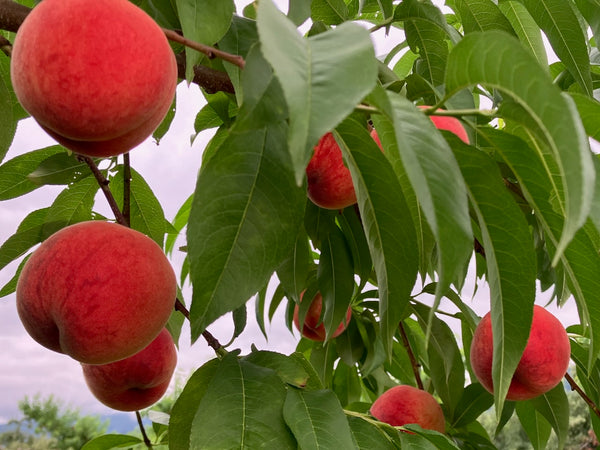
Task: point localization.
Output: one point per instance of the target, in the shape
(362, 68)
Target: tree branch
(211, 52)
(208, 337)
(5, 46)
(413, 360)
(12, 15)
(210, 79)
(583, 395)
(126, 189)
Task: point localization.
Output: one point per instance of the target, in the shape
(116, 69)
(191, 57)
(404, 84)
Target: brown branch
(126, 188)
(583, 395)
(208, 337)
(143, 430)
(12, 15)
(211, 52)
(103, 183)
(211, 80)
(413, 360)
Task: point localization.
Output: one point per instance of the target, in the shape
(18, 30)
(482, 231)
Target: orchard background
(517, 207)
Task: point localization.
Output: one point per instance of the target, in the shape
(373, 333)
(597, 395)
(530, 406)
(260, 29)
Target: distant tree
(48, 424)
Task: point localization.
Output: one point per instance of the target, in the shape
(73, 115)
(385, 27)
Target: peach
(406, 404)
(98, 76)
(96, 291)
(313, 327)
(449, 124)
(136, 382)
(544, 361)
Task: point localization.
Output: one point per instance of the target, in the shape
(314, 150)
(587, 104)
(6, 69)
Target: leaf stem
(413, 360)
(143, 430)
(211, 52)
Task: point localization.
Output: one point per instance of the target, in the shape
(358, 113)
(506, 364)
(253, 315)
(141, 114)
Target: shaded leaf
(111, 441)
(527, 30)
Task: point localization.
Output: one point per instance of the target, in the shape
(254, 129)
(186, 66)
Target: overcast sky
(170, 169)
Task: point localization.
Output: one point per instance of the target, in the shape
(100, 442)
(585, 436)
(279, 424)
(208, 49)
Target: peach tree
(516, 202)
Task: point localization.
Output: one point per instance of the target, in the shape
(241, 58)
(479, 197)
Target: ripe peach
(136, 382)
(98, 76)
(544, 361)
(449, 124)
(96, 291)
(314, 328)
(406, 404)
(329, 180)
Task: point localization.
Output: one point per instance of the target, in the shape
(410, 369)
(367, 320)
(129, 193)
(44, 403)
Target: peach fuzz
(404, 404)
(544, 361)
(136, 382)
(313, 327)
(97, 76)
(96, 291)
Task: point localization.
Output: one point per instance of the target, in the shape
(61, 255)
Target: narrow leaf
(482, 15)
(323, 78)
(496, 59)
(387, 221)
(317, 420)
(527, 30)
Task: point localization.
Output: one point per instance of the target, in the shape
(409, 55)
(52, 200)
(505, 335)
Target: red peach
(404, 404)
(98, 76)
(96, 291)
(544, 361)
(314, 328)
(136, 382)
(449, 124)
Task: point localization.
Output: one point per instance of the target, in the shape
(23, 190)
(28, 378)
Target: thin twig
(208, 337)
(143, 430)
(126, 188)
(103, 183)
(583, 395)
(211, 52)
(413, 361)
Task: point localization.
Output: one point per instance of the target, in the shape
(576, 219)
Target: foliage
(519, 202)
(48, 424)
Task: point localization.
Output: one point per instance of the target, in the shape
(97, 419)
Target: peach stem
(413, 361)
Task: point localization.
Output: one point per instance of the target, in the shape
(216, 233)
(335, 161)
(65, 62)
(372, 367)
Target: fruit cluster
(99, 83)
(102, 293)
(544, 361)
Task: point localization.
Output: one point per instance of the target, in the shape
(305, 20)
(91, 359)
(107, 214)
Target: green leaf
(182, 414)
(554, 406)
(164, 126)
(243, 221)
(336, 279)
(481, 15)
(527, 30)
(496, 59)
(289, 369)
(537, 428)
(588, 109)
(510, 260)
(323, 78)
(14, 180)
(317, 420)
(60, 168)
(299, 11)
(387, 222)
(11, 110)
(241, 408)
(330, 12)
(418, 151)
(427, 437)
(179, 222)
(560, 24)
(11, 286)
(371, 435)
(146, 213)
(74, 204)
(474, 401)
(293, 272)
(590, 9)
(111, 441)
(28, 234)
(446, 367)
(204, 21)
(580, 260)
